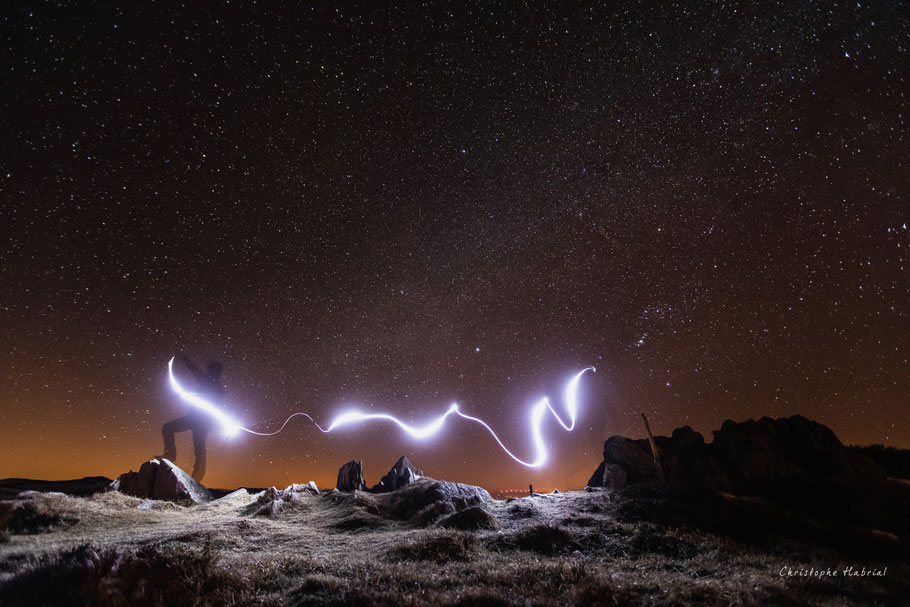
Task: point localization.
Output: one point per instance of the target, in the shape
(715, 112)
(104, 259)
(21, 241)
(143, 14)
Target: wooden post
(530, 489)
(654, 450)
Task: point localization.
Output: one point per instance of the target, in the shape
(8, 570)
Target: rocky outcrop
(272, 501)
(426, 499)
(350, 477)
(310, 488)
(632, 457)
(751, 456)
(608, 475)
(161, 479)
(402, 473)
(791, 450)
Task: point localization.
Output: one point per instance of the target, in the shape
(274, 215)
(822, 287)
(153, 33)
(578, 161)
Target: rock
(350, 477)
(703, 472)
(793, 450)
(402, 473)
(768, 455)
(145, 479)
(426, 499)
(633, 456)
(310, 487)
(127, 483)
(614, 477)
(161, 480)
(609, 476)
(597, 478)
(684, 441)
(272, 501)
(173, 484)
(269, 503)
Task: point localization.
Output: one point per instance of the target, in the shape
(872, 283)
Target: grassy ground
(640, 547)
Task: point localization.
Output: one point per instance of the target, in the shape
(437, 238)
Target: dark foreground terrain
(440, 543)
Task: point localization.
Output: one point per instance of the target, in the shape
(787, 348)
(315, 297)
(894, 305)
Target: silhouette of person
(196, 421)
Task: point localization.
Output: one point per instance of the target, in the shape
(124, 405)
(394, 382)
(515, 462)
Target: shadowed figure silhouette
(196, 421)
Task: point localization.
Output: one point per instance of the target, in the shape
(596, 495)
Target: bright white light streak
(231, 427)
(538, 411)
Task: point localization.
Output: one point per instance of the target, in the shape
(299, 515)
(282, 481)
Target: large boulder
(128, 484)
(684, 441)
(753, 452)
(608, 475)
(792, 450)
(161, 479)
(350, 477)
(633, 457)
(688, 463)
(402, 473)
(426, 499)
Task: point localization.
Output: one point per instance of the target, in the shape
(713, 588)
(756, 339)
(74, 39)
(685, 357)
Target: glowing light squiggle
(538, 411)
(231, 427)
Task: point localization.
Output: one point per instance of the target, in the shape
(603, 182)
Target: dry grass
(438, 547)
(567, 549)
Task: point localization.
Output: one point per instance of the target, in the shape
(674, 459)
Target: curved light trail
(538, 411)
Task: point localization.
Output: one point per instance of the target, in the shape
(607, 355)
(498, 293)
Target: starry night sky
(405, 206)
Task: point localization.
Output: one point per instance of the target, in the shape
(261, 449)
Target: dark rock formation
(610, 476)
(350, 477)
(402, 473)
(896, 462)
(791, 450)
(748, 457)
(426, 499)
(161, 479)
(625, 461)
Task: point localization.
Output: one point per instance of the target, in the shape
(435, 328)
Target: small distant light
(846, 54)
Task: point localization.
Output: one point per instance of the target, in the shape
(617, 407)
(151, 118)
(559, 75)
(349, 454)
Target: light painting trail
(538, 411)
(231, 427)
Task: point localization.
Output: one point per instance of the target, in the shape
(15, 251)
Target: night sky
(404, 206)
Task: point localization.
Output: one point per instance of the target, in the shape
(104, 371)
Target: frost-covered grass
(641, 547)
